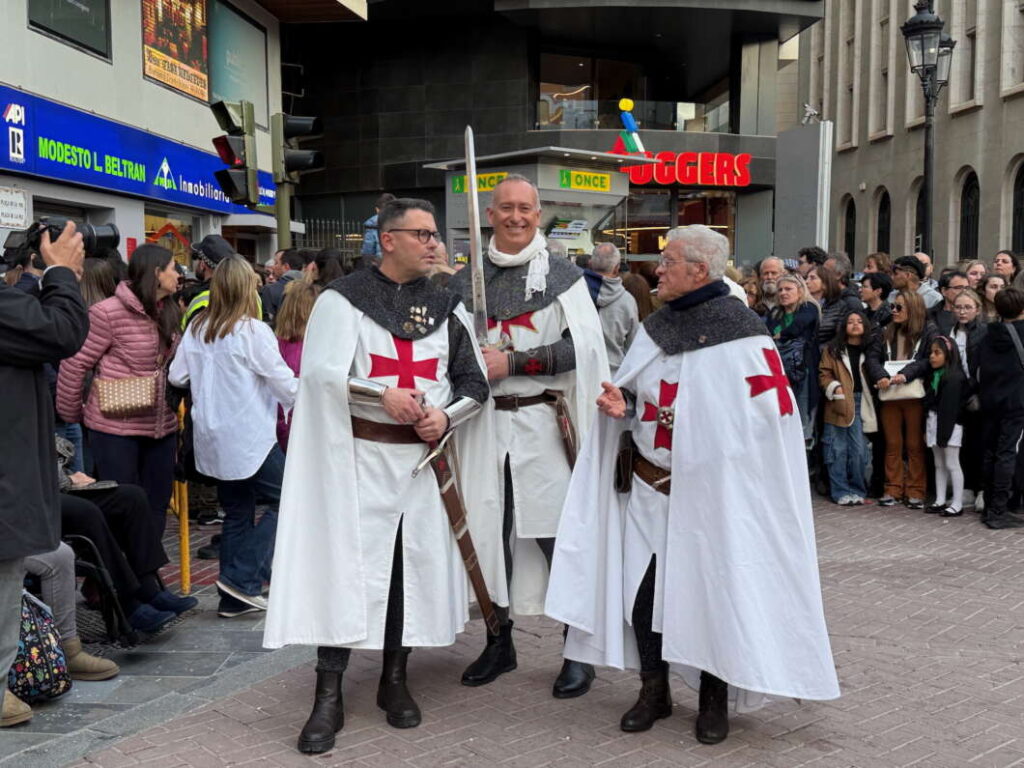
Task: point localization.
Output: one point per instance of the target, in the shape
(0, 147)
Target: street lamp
(930, 53)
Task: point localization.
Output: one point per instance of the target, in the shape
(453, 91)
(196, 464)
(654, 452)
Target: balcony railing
(591, 114)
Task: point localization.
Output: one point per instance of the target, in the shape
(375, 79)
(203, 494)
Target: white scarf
(536, 253)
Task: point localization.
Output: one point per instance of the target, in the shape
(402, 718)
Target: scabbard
(460, 528)
(565, 426)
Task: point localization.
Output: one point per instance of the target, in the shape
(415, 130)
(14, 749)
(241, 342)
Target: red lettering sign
(692, 169)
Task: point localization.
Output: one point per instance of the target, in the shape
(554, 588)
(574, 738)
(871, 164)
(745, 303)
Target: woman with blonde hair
(975, 271)
(793, 323)
(290, 329)
(230, 359)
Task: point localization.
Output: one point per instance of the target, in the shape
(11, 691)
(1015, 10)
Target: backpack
(40, 668)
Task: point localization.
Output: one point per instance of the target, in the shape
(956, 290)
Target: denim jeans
(247, 547)
(846, 456)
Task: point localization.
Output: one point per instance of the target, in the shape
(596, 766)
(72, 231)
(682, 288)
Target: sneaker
(229, 608)
(148, 619)
(844, 501)
(256, 601)
(167, 601)
(915, 504)
(887, 501)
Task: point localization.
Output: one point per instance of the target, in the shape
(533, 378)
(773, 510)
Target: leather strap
(652, 474)
(396, 434)
(515, 402)
(1012, 331)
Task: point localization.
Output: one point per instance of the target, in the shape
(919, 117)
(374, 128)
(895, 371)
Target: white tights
(947, 467)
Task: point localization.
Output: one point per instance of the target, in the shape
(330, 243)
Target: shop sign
(13, 208)
(693, 169)
(485, 182)
(57, 142)
(590, 182)
(566, 229)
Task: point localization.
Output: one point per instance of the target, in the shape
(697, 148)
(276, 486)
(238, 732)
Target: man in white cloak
(365, 555)
(687, 535)
(545, 362)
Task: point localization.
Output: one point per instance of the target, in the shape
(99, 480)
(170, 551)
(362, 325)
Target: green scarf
(937, 375)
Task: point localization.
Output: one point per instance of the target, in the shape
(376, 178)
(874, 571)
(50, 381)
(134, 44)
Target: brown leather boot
(655, 701)
(85, 666)
(15, 710)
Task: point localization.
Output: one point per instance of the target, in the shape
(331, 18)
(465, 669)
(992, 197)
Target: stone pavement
(925, 617)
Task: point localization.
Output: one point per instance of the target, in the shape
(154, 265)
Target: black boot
(713, 715)
(574, 680)
(654, 703)
(392, 694)
(327, 717)
(497, 658)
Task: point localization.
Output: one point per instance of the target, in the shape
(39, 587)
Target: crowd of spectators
(910, 389)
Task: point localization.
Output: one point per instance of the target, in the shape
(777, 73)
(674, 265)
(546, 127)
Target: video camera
(95, 237)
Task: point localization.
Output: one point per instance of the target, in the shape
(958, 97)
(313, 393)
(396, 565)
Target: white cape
(318, 587)
(742, 597)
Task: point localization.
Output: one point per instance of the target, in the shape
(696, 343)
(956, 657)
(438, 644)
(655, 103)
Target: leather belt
(515, 402)
(652, 474)
(398, 434)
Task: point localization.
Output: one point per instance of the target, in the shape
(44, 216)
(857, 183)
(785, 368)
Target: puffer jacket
(123, 342)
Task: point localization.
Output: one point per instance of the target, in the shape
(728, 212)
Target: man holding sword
(369, 553)
(545, 355)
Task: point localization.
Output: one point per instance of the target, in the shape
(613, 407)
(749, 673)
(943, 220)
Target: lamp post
(930, 53)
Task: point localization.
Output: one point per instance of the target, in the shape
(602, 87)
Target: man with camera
(33, 330)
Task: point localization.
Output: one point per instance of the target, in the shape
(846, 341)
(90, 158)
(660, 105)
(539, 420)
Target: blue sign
(57, 142)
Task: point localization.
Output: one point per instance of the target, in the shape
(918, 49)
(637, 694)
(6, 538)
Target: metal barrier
(346, 236)
(179, 506)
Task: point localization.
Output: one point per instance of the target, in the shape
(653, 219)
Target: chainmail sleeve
(544, 361)
(467, 378)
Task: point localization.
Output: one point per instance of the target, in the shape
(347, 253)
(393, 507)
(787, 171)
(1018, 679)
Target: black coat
(33, 331)
(976, 330)
(942, 318)
(1000, 375)
(834, 312)
(948, 403)
(878, 354)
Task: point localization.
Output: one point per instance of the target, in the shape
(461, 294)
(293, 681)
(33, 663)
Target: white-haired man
(683, 538)
(616, 306)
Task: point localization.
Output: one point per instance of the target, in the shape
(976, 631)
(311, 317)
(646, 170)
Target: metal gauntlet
(365, 392)
(460, 410)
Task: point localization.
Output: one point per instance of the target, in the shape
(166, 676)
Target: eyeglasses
(898, 307)
(423, 235)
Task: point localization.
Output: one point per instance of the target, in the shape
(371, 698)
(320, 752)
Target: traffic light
(237, 150)
(288, 161)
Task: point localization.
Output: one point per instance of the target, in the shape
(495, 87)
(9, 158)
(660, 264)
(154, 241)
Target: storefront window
(713, 209)
(174, 231)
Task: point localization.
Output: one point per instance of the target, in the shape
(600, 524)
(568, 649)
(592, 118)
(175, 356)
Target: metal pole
(930, 97)
(283, 211)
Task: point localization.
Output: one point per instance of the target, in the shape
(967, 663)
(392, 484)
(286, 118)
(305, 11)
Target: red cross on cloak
(652, 412)
(524, 320)
(777, 381)
(403, 366)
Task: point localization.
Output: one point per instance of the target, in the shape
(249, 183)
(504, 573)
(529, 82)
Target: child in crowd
(944, 400)
(849, 409)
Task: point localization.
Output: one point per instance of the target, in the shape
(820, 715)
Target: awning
(306, 11)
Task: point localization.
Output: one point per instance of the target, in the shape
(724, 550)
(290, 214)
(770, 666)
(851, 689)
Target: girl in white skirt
(944, 400)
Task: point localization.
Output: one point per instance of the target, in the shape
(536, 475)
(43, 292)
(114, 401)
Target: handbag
(912, 390)
(792, 352)
(130, 396)
(40, 668)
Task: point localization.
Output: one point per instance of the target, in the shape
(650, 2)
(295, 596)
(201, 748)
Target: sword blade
(476, 264)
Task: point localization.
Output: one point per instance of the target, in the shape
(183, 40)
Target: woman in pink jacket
(131, 334)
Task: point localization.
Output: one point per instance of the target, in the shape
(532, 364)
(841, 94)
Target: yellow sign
(591, 182)
(485, 182)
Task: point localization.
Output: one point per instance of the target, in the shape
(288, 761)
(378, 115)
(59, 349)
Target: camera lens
(99, 237)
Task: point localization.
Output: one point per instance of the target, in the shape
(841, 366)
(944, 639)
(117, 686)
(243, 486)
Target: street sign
(485, 182)
(591, 182)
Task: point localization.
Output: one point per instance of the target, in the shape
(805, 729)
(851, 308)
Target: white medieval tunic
(343, 499)
(737, 590)
(531, 437)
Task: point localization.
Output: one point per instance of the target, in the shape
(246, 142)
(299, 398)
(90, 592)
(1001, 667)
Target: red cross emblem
(777, 381)
(524, 320)
(404, 367)
(664, 413)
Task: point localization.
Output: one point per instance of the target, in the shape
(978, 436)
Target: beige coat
(833, 374)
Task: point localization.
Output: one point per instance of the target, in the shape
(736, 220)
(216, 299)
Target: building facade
(713, 83)
(107, 120)
(854, 71)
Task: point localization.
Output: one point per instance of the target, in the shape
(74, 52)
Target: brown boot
(15, 710)
(85, 666)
